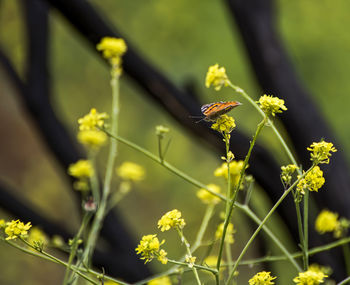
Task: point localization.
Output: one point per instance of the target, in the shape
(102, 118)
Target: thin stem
(94, 181)
(75, 244)
(345, 281)
(189, 254)
(300, 230)
(233, 199)
(101, 211)
(306, 230)
(286, 192)
(198, 184)
(346, 252)
(207, 215)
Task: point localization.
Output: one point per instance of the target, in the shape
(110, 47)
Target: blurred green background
(181, 39)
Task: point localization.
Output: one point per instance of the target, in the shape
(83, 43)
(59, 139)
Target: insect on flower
(214, 110)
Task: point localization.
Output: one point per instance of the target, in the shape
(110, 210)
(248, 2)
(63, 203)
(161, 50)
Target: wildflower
(217, 77)
(310, 277)
(57, 241)
(149, 248)
(262, 278)
(170, 220)
(207, 197)
(313, 181)
(287, 172)
(326, 221)
(131, 171)
(15, 229)
(108, 282)
(2, 223)
(81, 185)
(161, 131)
(92, 120)
(112, 48)
(235, 170)
(211, 260)
(321, 151)
(229, 233)
(271, 105)
(191, 260)
(92, 139)
(81, 169)
(319, 268)
(37, 235)
(165, 280)
(224, 124)
(162, 256)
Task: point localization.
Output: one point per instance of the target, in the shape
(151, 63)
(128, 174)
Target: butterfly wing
(213, 110)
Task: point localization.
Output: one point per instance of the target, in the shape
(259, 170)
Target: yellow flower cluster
(90, 134)
(165, 280)
(161, 130)
(271, 105)
(328, 221)
(112, 49)
(235, 170)
(262, 278)
(149, 248)
(287, 172)
(82, 170)
(321, 151)
(224, 124)
(171, 219)
(229, 233)
(16, 228)
(92, 120)
(131, 171)
(217, 77)
(206, 197)
(313, 181)
(310, 277)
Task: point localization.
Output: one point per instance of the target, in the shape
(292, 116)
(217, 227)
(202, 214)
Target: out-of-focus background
(181, 39)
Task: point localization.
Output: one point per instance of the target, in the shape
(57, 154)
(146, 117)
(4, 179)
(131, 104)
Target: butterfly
(214, 110)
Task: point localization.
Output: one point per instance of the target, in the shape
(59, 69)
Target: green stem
(300, 229)
(101, 211)
(75, 244)
(234, 196)
(346, 252)
(345, 281)
(198, 184)
(189, 254)
(207, 215)
(286, 192)
(306, 230)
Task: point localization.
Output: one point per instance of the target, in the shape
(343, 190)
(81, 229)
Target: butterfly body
(214, 110)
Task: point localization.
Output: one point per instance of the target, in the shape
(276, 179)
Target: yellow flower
(37, 235)
(2, 223)
(131, 171)
(161, 130)
(313, 181)
(321, 151)
(235, 170)
(111, 47)
(110, 283)
(229, 233)
(191, 260)
(211, 260)
(207, 197)
(262, 278)
(271, 105)
(217, 77)
(310, 277)
(92, 120)
(162, 256)
(326, 221)
(165, 280)
(149, 248)
(81, 169)
(287, 172)
(92, 139)
(224, 124)
(170, 220)
(15, 229)
(319, 268)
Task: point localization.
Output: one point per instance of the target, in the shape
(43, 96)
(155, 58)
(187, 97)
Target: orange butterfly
(214, 110)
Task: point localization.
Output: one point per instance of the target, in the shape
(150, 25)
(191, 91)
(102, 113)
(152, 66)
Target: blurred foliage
(181, 40)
